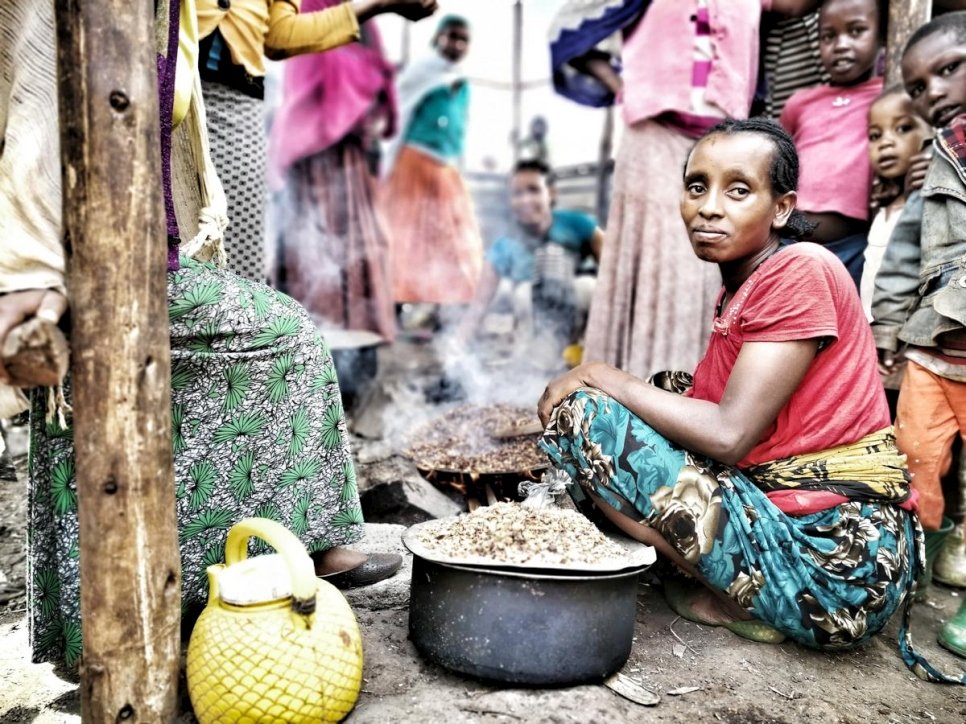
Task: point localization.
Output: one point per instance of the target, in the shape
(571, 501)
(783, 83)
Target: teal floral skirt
(828, 580)
(258, 430)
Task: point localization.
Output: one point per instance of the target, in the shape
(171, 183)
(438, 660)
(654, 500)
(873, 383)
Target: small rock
(408, 501)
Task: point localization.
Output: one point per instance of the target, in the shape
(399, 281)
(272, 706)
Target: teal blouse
(439, 123)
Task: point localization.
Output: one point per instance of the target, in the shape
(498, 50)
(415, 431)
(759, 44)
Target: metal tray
(639, 556)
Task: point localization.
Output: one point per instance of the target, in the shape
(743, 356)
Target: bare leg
(708, 602)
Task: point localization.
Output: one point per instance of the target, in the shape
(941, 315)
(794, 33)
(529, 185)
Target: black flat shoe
(377, 567)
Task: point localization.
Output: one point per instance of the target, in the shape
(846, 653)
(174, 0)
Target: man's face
(531, 199)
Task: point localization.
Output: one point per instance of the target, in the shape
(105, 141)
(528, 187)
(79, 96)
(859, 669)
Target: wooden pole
(115, 244)
(517, 77)
(603, 166)
(904, 17)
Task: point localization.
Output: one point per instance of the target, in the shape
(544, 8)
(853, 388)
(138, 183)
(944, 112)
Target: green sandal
(953, 634)
(676, 593)
(755, 630)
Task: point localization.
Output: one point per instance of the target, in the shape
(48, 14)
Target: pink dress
(652, 304)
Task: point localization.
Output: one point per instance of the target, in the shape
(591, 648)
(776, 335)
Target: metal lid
(255, 580)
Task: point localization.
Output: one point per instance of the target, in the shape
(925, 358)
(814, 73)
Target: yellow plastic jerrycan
(274, 643)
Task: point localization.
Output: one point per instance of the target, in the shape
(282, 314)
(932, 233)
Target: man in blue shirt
(540, 260)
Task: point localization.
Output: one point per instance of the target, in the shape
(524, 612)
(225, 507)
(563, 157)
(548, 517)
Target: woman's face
(453, 41)
(728, 206)
(848, 35)
(896, 134)
(934, 74)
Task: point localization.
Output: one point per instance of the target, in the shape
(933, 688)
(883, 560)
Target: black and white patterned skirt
(236, 131)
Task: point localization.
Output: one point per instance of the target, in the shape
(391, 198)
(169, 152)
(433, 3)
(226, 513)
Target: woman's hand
(17, 307)
(763, 379)
(597, 66)
(409, 9)
(590, 374)
(412, 9)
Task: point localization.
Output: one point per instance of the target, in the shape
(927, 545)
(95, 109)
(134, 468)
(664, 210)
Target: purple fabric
(326, 96)
(167, 63)
(173, 263)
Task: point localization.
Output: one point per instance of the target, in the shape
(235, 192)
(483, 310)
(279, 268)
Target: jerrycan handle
(300, 566)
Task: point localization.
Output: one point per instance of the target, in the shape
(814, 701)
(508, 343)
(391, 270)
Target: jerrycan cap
(255, 580)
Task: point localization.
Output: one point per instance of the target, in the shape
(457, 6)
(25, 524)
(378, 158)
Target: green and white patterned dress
(258, 429)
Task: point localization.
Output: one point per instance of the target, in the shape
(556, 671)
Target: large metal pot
(522, 627)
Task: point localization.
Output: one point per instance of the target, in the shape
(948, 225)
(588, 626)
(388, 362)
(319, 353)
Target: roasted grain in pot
(460, 440)
(512, 533)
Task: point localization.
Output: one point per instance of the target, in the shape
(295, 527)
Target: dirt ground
(725, 678)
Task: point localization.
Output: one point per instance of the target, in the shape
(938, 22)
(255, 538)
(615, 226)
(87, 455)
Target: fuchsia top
(658, 67)
(830, 125)
(326, 96)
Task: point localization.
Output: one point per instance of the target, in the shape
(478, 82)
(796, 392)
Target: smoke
(330, 248)
(476, 377)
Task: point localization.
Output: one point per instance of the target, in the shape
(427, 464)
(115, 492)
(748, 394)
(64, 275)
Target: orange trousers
(931, 411)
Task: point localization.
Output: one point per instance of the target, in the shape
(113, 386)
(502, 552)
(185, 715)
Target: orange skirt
(436, 252)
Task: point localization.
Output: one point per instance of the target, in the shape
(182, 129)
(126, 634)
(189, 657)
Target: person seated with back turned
(257, 428)
(541, 260)
(774, 479)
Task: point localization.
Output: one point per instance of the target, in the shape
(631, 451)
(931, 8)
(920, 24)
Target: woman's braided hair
(783, 172)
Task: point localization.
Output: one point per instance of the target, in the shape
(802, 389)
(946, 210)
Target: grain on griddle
(511, 533)
(459, 440)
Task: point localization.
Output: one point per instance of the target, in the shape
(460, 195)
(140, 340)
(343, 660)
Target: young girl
(829, 125)
(896, 135)
(435, 247)
(776, 481)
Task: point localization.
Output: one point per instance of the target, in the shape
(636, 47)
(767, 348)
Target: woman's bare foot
(694, 602)
(705, 604)
(693, 598)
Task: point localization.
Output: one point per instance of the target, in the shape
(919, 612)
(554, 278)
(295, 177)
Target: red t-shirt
(803, 292)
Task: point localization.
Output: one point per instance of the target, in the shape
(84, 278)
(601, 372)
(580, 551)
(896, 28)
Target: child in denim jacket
(920, 290)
